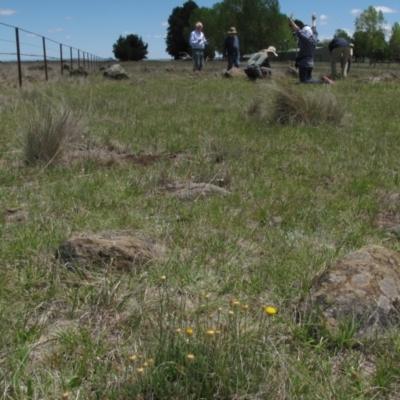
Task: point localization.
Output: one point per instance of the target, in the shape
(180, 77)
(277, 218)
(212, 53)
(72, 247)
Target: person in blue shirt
(231, 49)
(198, 41)
(307, 39)
(340, 50)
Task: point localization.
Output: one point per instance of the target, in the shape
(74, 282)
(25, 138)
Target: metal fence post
(18, 57)
(79, 60)
(45, 58)
(70, 53)
(61, 60)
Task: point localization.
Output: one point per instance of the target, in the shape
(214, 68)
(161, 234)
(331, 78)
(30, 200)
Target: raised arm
(314, 19)
(294, 26)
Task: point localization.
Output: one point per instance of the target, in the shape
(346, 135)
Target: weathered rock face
(115, 72)
(364, 285)
(120, 252)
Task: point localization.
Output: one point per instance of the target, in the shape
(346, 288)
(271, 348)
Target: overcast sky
(94, 27)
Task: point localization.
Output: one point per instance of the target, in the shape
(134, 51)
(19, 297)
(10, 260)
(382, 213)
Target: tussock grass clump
(306, 105)
(47, 131)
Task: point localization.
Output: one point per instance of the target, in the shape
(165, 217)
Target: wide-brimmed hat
(271, 49)
(232, 30)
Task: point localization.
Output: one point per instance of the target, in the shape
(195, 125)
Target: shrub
(46, 132)
(304, 105)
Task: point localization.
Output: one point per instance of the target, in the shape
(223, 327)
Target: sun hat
(271, 49)
(307, 31)
(232, 30)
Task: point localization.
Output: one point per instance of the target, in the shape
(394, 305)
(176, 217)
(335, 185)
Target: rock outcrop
(363, 286)
(121, 252)
(115, 72)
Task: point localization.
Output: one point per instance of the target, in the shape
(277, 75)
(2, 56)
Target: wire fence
(21, 46)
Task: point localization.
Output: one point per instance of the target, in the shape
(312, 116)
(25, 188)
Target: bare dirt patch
(109, 250)
(192, 191)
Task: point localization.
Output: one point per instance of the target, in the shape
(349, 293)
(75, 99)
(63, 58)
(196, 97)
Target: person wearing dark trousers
(307, 39)
(231, 49)
(258, 66)
(198, 41)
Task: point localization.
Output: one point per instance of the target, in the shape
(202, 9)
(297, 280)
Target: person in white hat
(231, 49)
(258, 66)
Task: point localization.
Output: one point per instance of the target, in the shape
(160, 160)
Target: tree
(130, 48)
(394, 41)
(369, 36)
(179, 20)
(341, 33)
(259, 23)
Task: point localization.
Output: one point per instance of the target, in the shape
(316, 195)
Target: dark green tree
(394, 41)
(178, 21)
(341, 33)
(259, 22)
(130, 48)
(369, 36)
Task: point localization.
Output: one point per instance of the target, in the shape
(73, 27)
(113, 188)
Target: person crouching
(258, 66)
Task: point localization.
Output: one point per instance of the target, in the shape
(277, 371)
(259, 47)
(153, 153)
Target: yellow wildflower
(189, 331)
(270, 310)
(190, 357)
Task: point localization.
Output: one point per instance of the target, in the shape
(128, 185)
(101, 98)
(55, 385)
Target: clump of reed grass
(47, 131)
(305, 105)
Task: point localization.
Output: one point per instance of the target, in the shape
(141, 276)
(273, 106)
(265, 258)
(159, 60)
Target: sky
(94, 26)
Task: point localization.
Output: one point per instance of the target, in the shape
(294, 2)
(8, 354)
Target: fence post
(70, 53)
(83, 57)
(61, 60)
(79, 59)
(18, 57)
(45, 58)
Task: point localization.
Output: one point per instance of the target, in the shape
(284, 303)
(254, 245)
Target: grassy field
(197, 322)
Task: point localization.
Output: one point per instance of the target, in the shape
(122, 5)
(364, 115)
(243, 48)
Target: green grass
(301, 195)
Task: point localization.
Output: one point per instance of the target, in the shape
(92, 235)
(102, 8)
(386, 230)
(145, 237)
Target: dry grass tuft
(304, 105)
(46, 132)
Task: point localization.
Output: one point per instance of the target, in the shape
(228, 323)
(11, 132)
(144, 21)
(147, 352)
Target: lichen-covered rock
(115, 72)
(234, 72)
(363, 286)
(121, 252)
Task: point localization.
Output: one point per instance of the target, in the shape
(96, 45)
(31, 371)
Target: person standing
(198, 41)
(259, 65)
(307, 39)
(340, 50)
(231, 49)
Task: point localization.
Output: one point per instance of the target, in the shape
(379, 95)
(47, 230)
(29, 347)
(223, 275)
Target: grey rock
(363, 286)
(121, 252)
(115, 72)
